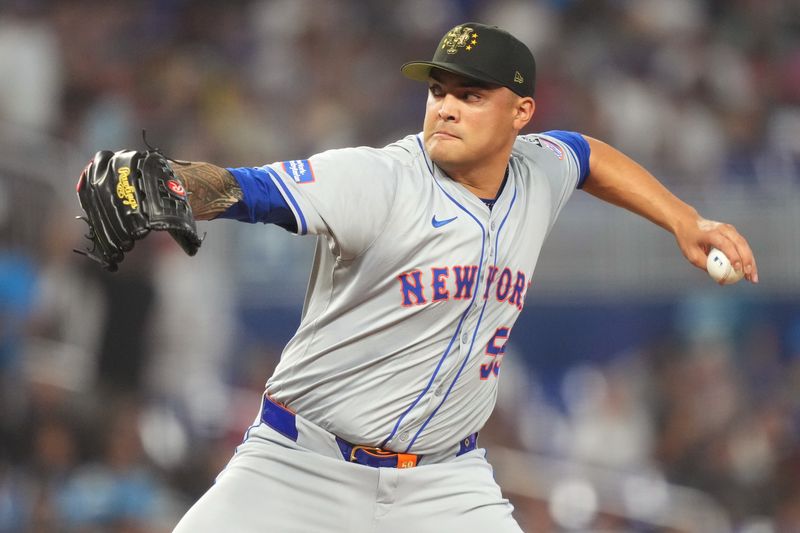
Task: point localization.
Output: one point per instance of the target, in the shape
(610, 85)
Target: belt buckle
(370, 449)
(404, 460)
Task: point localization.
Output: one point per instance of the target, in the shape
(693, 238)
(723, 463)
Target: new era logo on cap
(484, 53)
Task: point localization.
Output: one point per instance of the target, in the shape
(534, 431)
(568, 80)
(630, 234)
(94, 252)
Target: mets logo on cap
(459, 37)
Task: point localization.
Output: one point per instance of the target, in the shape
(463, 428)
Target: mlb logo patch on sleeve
(299, 170)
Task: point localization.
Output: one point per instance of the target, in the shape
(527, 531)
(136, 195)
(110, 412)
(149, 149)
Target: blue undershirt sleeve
(262, 200)
(578, 145)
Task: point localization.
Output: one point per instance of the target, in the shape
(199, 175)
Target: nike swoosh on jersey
(440, 223)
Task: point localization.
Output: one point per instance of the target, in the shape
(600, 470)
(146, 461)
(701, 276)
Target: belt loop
(345, 447)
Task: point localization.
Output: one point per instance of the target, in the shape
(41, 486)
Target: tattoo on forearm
(211, 189)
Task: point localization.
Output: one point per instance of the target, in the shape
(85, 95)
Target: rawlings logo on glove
(125, 190)
(127, 194)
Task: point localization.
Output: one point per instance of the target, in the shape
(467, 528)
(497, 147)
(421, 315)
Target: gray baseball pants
(273, 484)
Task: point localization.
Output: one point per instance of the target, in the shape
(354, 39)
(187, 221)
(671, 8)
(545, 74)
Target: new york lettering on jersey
(510, 286)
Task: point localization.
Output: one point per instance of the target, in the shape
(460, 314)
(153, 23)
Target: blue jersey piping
(474, 333)
(303, 225)
(463, 315)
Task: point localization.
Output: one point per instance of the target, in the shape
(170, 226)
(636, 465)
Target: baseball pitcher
(425, 251)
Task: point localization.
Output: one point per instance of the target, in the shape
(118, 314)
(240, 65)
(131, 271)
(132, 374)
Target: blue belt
(284, 422)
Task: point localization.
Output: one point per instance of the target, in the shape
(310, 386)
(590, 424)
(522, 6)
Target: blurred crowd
(712, 405)
(122, 396)
(703, 92)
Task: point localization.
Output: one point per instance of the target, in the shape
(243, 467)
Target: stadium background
(636, 395)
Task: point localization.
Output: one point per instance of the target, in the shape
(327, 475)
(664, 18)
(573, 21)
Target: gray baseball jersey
(415, 288)
(414, 291)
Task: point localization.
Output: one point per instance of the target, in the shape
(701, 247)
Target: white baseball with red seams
(720, 269)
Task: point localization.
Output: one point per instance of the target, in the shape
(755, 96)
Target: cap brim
(421, 71)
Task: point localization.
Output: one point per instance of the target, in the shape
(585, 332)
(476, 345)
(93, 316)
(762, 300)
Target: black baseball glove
(125, 195)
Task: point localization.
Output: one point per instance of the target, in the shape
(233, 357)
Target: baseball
(720, 269)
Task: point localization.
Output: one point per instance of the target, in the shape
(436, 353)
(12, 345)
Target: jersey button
(403, 436)
(439, 390)
(494, 225)
(465, 337)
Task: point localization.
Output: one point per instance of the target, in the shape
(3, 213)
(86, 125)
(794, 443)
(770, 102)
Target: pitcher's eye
(436, 90)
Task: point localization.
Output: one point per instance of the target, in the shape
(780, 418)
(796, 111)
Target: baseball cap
(481, 52)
